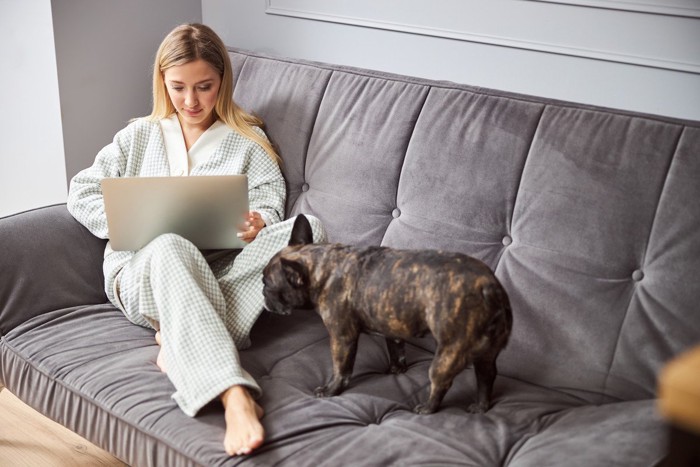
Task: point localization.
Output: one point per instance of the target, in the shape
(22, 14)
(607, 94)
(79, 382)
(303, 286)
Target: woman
(201, 307)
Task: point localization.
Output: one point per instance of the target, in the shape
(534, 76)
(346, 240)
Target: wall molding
(363, 16)
(668, 7)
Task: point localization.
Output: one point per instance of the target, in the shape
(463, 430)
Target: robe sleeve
(267, 192)
(85, 200)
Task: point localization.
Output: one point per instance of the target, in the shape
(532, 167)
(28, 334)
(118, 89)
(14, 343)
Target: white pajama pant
(204, 311)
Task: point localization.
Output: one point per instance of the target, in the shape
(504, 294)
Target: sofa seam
(240, 71)
(317, 111)
(311, 135)
(642, 263)
(428, 91)
(520, 183)
(672, 160)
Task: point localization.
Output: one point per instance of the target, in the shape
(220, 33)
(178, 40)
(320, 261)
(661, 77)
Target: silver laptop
(207, 210)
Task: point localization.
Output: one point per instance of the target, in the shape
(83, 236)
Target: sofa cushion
(579, 210)
(355, 155)
(91, 370)
(588, 203)
(610, 434)
(463, 143)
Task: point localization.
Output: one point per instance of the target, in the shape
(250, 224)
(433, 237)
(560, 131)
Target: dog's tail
(500, 314)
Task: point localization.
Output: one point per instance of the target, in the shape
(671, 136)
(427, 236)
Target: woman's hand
(253, 224)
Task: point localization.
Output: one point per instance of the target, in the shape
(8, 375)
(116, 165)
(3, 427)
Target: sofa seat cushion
(102, 370)
(622, 433)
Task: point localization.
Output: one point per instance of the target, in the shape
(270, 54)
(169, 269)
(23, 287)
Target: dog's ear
(295, 272)
(301, 232)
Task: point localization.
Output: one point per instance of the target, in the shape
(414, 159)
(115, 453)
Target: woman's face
(193, 89)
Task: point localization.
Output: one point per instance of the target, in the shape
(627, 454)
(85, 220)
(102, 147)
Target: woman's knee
(170, 250)
(170, 242)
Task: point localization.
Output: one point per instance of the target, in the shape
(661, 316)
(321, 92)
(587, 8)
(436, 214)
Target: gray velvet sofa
(589, 217)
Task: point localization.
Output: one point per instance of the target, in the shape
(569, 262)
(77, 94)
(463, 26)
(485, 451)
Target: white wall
(640, 56)
(32, 169)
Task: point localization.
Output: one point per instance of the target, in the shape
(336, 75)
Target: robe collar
(180, 160)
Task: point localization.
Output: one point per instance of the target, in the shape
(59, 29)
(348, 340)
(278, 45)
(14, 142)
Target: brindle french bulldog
(399, 294)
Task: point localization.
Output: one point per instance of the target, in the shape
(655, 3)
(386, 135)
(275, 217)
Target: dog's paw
(333, 388)
(477, 408)
(398, 368)
(423, 409)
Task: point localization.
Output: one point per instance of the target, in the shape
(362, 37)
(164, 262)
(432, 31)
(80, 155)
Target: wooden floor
(28, 439)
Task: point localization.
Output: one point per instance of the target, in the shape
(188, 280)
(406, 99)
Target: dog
(399, 294)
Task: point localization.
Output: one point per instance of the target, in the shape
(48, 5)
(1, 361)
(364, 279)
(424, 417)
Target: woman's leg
(240, 282)
(170, 284)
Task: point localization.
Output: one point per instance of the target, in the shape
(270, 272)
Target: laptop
(207, 210)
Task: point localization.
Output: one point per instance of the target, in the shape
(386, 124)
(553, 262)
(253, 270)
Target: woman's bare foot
(160, 361)
(244, 432)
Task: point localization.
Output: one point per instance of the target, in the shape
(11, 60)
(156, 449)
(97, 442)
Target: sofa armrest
(48, 261)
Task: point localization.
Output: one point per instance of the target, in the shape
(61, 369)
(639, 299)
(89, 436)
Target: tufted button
(507, 240)
(637, 275)
(396, 213)
(305, 187)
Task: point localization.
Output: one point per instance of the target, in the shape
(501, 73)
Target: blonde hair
(187, 43)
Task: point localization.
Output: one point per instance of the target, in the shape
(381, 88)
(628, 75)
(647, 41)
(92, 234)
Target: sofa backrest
(590, 217)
